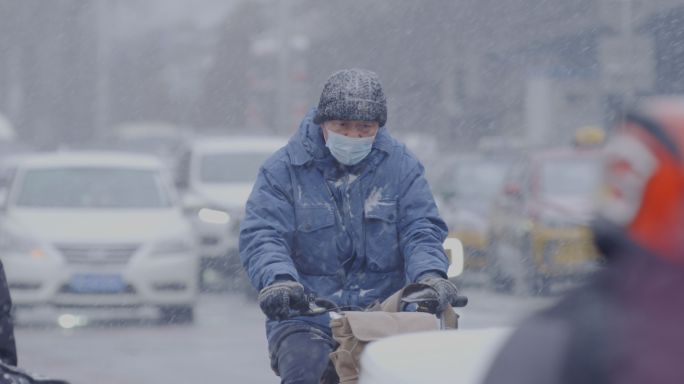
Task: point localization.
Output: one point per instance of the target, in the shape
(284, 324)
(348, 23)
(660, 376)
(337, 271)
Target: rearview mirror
(192, 201)
(454, 251)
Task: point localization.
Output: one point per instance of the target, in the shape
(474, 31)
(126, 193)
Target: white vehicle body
(220, 173)
(96, 229)
(460, 357)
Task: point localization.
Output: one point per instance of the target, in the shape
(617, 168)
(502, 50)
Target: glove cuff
(431, 274)
(282, 278)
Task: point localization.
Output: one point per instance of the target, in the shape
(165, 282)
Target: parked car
(539, 221)
(97, 230)
(216, 175)
(467, 190)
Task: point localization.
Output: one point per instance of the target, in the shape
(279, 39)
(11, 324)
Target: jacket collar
(307, 144)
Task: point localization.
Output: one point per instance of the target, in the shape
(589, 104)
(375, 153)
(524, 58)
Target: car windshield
(238, 167)
(479, 180)
(92, 187)
(570, 177)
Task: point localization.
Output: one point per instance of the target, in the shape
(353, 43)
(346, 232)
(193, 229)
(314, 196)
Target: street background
(478, 89)
(71, 71)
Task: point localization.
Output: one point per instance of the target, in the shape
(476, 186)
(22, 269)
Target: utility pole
(102, 82)
(13, 87)
(628, 37)
(622, 73)
(283, 118)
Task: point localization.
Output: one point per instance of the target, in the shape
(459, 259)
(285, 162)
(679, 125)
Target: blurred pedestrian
(8, 350)
(625, 326)
(344, 212)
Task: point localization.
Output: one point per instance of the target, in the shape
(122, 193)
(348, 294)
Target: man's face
(351, 128)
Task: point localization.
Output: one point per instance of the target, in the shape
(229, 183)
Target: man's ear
(324, 132)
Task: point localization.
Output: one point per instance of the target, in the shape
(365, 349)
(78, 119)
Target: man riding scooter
(343, 212)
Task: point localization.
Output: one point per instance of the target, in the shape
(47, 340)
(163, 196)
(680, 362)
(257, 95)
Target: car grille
(91, 254)
(210, 240)
(66, 288)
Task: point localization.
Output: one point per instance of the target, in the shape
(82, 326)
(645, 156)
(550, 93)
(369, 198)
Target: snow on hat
(352, 94)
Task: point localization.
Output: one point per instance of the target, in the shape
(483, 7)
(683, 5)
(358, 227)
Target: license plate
(88, 283)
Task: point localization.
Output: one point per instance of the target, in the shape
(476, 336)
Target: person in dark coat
(10, 373)
(343, 212)
(8, 349)
(625, 326)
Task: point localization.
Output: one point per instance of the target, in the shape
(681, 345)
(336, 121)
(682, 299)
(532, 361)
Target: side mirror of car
(454, 251)
(192, 202)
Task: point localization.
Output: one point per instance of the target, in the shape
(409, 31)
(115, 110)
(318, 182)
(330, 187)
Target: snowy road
(225, 345)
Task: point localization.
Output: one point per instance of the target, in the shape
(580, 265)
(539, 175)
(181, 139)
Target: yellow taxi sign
(589, 136)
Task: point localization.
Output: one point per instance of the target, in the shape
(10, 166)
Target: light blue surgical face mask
(349, 150)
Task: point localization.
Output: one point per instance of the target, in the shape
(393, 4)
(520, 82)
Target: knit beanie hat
(352, 94)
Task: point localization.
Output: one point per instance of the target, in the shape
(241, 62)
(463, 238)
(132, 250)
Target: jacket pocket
(312, 219)
(314, 249)
(382, 241)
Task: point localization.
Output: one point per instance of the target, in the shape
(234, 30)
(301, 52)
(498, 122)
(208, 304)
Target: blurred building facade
(48, 67)
(460, 70)
(70, 70)
(545, 68)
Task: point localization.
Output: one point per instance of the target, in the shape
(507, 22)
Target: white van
(216, 175)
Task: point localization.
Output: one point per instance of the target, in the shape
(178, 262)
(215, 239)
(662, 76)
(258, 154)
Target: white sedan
(97, 230)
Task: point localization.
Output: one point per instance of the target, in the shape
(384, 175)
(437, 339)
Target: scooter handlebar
(319, 306)
(459, 301)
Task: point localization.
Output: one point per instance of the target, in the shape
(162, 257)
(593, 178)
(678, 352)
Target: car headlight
(213, 216)
(172, 247)
(14, 244)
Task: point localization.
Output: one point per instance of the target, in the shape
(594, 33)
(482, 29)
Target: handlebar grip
(459, 301)
(310, 297)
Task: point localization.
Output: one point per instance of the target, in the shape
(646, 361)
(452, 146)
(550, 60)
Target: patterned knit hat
(352, 94)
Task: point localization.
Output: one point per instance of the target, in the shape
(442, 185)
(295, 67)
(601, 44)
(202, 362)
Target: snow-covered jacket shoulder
(388, 232)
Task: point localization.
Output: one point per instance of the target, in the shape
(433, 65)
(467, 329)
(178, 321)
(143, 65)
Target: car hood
(225, 195)
(97, 225)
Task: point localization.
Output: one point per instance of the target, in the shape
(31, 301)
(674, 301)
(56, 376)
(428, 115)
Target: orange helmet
(644, 178)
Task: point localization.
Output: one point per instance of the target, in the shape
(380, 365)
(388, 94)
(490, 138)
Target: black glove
(446, 290)
(277, 299)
